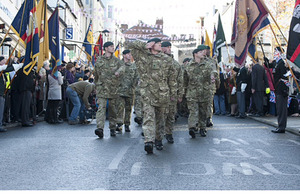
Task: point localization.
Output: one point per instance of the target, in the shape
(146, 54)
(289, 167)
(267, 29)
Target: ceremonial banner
(293, 49)
(25, 26)
(54, 42)
(249, 16)
(89, 39)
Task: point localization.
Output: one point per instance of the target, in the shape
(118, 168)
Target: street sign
(69, 33)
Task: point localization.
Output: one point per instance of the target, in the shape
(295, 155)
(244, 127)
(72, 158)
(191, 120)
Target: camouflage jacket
(198, 80)
(107, 83)
(129, 80)
(157, 83)
(179, 79)
(215, 67)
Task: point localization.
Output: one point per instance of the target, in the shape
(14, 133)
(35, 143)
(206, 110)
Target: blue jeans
(219, 103)
(79, 108)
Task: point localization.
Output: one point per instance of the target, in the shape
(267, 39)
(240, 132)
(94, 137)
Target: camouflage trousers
(198, 114)
(182, 107)
(101, 113)
(170, 119)
(124, 106)
(153, 122)
(210, 107)
(138, 106)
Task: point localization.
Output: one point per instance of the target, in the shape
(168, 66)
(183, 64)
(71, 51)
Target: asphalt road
(237, 154)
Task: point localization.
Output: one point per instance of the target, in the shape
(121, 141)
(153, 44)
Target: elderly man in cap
(108, 71)
(127, 89)
(158, 87)
(170, 119)
(197, 83)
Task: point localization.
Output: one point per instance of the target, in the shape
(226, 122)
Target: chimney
(160, 25)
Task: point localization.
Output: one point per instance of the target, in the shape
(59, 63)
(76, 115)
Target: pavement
(293, 123)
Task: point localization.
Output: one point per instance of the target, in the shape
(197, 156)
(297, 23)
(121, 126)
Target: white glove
(17, 66)
(233, 91)
(288, 74)
(3, 67)
(243, 87)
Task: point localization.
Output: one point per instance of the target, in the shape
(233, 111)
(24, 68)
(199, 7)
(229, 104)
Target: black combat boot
(192, 132)
(138, 120)
(99, 132)
(149, 147)
(209, 123)
(159, 145)
(119, 128)
(127, 128)
(112, 132)
(169, 138)
(203, 132)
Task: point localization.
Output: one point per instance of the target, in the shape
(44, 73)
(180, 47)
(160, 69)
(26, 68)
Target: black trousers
(281, 107)
(25, 106)
(51, 111)
(258, 98)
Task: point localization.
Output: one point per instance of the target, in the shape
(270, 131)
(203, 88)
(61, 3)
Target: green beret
(202, 47)
(107, 44)
(207, 47)
(156, 40)
(197, 50)
(166, 44)
(126, 51)
(186, 60)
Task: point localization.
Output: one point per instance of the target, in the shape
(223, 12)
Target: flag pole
(5, 36)
(285, 58)
(278, 27)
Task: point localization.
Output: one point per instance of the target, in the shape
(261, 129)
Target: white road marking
(115, 162)
(136, 168)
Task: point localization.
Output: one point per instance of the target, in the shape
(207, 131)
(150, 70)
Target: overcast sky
(179, 16)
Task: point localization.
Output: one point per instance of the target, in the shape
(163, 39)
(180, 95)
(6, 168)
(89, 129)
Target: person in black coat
(259, 85)
(241, 84)
(281, 92)
(26, 87)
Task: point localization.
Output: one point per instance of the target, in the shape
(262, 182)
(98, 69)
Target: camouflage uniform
(138, 105)
(213, 88)
(197, 84)
(127, 89)
(182, 106)
(156, 86)
(107, 86)
(170, 119)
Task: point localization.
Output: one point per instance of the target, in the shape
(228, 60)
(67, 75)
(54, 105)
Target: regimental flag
(54, 42)
(25, 26)
(220, 40)
(293, 49)
(89, 39)
(252, 50)
(249, 16)
(214, 40)
(42, 17)
(202, 39)
(253, 45)
(117, 51)
(98, 49)
(208, 42)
